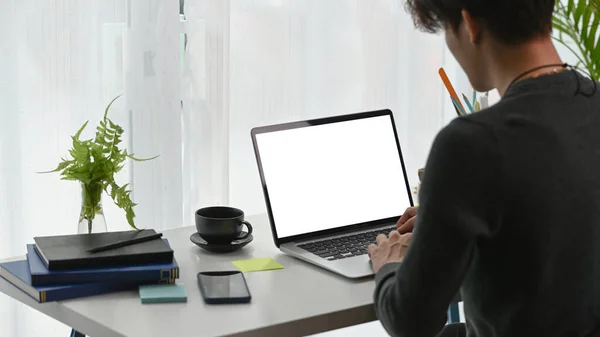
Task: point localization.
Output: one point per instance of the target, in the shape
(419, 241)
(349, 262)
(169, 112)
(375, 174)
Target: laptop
(331, 185)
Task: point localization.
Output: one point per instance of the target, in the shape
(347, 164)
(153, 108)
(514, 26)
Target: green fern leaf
(570, 6)
(578, 14)
(113, 193)
(585, 23)
(592, 38)
(84, 177)
(129, 214)
(78, 133)
(141, 159)
(108, 107)
(596, 56)
(123, 188)
(113, 126)
(80, 152)
(61, 166)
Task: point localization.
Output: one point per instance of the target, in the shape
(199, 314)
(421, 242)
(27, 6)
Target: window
(193, 86)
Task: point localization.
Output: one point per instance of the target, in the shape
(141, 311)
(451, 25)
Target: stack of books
(63, 267)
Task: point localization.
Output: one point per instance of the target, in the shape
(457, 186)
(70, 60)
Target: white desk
(297, 301)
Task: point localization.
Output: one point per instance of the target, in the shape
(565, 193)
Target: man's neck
(509, 63)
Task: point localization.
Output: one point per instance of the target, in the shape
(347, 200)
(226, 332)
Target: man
(510, 200)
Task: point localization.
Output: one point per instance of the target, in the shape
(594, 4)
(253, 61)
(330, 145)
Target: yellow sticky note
(258, 264)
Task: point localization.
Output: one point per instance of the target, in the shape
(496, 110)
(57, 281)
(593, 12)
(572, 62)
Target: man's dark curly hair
(509, 21)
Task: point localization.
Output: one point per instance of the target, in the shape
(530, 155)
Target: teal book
(162, 293)
(18, 274)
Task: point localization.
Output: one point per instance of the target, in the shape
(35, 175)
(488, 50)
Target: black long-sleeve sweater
(510, 215)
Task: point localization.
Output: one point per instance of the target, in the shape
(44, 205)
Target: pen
(459, 107)
(450, 88)
(467, 102)
(125, 243)
(456, 109)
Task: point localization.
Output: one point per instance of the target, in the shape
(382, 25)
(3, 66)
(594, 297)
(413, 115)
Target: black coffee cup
(221, 224)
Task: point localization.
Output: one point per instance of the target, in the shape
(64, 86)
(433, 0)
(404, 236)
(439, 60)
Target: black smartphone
(223, 287)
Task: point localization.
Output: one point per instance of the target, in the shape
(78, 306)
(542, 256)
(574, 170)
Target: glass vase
(91, 215)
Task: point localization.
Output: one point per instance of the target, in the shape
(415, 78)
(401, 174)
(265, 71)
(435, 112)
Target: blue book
(18, 274)
(40, 275)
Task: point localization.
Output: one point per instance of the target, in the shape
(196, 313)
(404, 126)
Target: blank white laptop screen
(332, 175)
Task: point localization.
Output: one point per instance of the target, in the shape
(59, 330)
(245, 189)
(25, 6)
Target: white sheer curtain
(295, 59)
(193, 87)
(61, 62)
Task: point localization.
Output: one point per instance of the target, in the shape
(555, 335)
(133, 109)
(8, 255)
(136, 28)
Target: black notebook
(70, 251)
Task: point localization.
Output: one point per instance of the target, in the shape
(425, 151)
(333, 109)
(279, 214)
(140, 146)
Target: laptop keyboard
(345, 246)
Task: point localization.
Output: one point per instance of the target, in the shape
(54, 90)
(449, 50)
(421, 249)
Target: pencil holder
(470, 106)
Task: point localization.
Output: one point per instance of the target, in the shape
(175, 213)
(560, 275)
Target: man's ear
(472, 26)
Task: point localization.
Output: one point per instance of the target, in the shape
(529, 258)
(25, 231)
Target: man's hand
(406, 223)
(388, 250)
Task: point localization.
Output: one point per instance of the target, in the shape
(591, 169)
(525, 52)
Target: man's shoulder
(507, 109)
(495, 115)
(467, 131)
(467, 141)
(486, 124)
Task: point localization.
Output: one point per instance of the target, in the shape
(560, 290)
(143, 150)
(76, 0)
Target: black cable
(578, 90)
(564, 65)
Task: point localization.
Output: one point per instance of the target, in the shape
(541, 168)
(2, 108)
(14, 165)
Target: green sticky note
(258, 264)
(163, 293)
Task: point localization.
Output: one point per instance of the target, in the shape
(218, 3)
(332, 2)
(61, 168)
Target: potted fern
(576, 22)
(94, 163)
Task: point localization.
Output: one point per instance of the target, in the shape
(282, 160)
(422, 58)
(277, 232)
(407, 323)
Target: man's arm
(458, 199)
